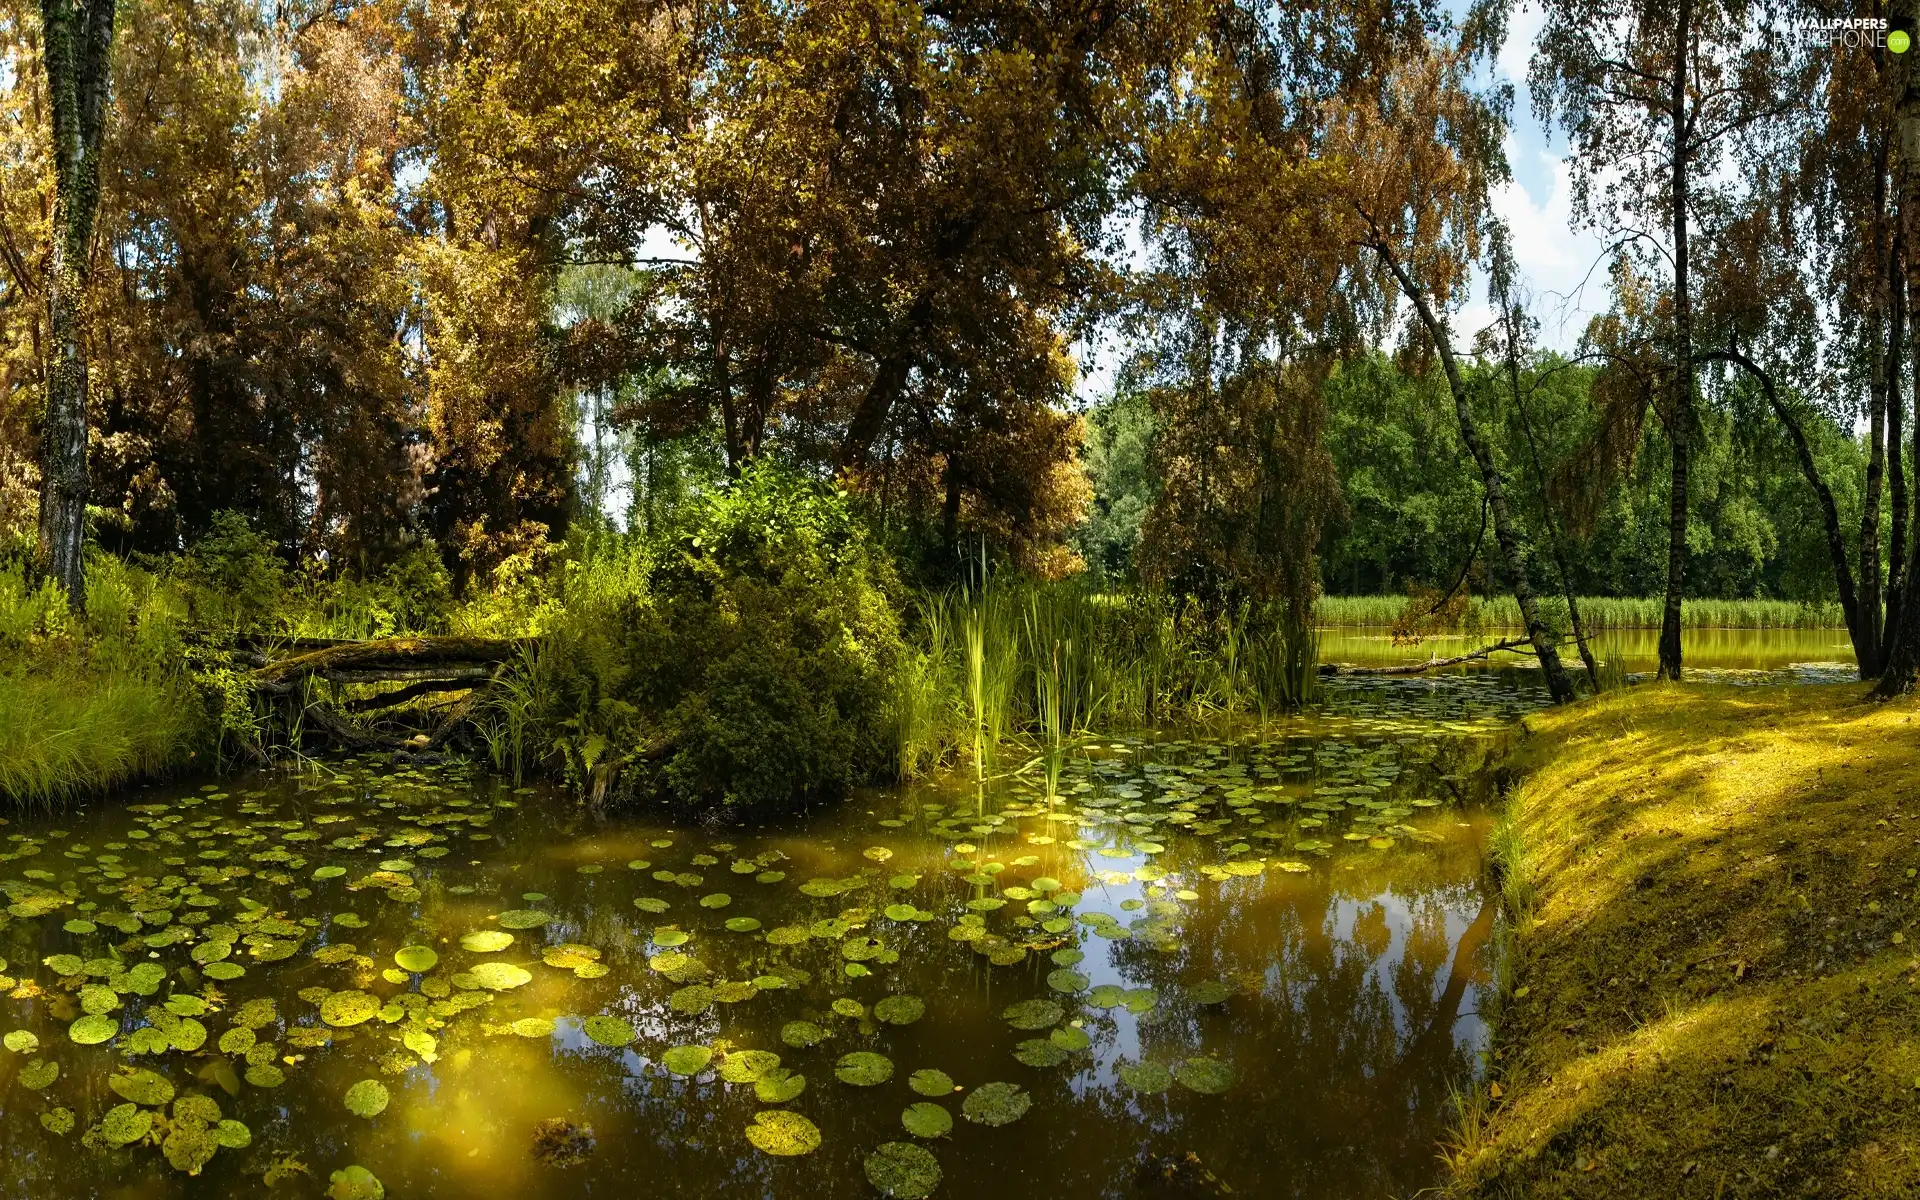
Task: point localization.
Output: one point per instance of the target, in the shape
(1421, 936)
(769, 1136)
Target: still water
(1262, 944)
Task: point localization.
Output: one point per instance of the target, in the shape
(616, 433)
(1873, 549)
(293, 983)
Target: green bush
(752, 668)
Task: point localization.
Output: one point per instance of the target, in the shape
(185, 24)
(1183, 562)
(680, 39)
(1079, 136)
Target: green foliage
(748, 658)
(1598, 612)
(1119, 439)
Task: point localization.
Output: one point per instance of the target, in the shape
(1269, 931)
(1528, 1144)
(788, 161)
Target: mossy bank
(1713, 987)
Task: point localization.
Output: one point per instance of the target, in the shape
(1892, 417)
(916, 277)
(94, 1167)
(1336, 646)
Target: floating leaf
(997, 1104)
(1068, 981)
(58, 1121)
(1033, 1014)
(342, 1009)
(524, 918)
(930, 1082)
(486, 941)
(533, 1027)
(716, 900)
(1210, 992)
(1206, 1075)
(687, 1060)
(125, 1124)
(93, 1029)
(368, 1098)
(354, 1183)
(609, 1031)
(416, 958)
(801, 1034)
(142, 1087)
(903, 1171)
(747, 1066)
(743, 924)
(1040, 1052)
(499, 976)
(21, 1041)
(232, 1135)
(39, 1073)
(1072, 1040)
(927, 1120)
(863, 1068)
(900, 1010)
(783, 1133)
(779, 1086)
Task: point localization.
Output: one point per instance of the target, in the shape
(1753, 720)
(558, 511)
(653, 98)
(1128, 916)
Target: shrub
(752, 669)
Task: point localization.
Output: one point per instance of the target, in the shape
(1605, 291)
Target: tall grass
(1598, 613)
(65, 735)
(1037, 666)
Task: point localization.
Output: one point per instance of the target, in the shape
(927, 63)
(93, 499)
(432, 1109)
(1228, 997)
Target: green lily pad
(416, 958)
(779, 1086)
(801, 1034)
(900, 1010)
(716, 900)
(266, 1075)
(1210, 992)
(863, 1068)
(903, 1171)
(142, 1087)
(609, 1031)
(927, 1120)
(533, 1027)
(224, 971)
(1040, 1052)
(39, 1073)
(668, 936)
(1033, 1014)
(930, 1082)
(499, 976)
(901, 912)
(231, 1135)
(354, 1183)
(21, 1041)
(125, 1124)
(743, 924)
(342, 1009)
(329, 872)
(1066, 980)
(687, 1060)
(1206, 1075)
(486, 941)
(997, 1104)
(524, 918)
(58, 1121)
(93, 1029)
(1073, 1041)
(747, 1066)
(1146, 1077)
(783, 1133)
(368, 1098)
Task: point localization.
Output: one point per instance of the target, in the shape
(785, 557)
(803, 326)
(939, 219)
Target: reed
(1599, 613)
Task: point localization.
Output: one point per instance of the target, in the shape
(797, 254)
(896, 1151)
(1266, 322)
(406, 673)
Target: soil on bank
(1714, 990)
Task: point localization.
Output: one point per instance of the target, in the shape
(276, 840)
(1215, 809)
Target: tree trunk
(1680, 418)
(1896, 449)
(1902, 661)
(1504, 530)
(1869, 569)
(77, 40)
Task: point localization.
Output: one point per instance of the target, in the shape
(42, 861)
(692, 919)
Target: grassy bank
(1600, 612)
(1713, 988)
(70, 735)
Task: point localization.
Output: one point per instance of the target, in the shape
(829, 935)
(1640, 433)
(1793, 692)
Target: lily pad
(930, 1082)
(1033, 1014)
(1040, 1052)
(416, 958)
(21, 1041)
(39, 1073)
(783, 1133)
(499, 976)
(368, 1098)
(1206, 1075)
(903, 1171)
(997, 1104)
(486, 941)
(354, 1183)
(801, 1034)
(687, 1060)
(609, 1031)
(863, 1068)
(1210, 992)
(779, 1086)
(142, 1087)
(343, 1009)
(524, 918)
(533, 1027)
(927, 1120)
(1066, 980)
(900, 1010)
(743, 924)
(747, 1066)
(93, 1029)
(125, 1124)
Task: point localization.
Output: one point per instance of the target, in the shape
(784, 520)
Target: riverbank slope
(1715, 990)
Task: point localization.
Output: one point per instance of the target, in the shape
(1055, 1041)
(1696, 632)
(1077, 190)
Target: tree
(1649, 94)
(77, 52)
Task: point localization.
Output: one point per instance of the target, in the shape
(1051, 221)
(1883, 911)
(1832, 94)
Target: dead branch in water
(1431, 663)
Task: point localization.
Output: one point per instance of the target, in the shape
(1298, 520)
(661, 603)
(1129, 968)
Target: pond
(1261, 944)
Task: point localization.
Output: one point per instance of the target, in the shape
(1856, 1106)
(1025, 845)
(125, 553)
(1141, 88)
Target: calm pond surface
(1265, 946)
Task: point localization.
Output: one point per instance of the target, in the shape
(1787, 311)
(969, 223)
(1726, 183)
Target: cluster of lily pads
(218, 891)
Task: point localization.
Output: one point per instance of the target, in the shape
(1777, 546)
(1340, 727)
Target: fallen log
(1431, 663)
(393, 660)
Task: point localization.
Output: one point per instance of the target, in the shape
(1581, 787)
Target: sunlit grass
(1598, 613)
(1711, 989)
(65, 735)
